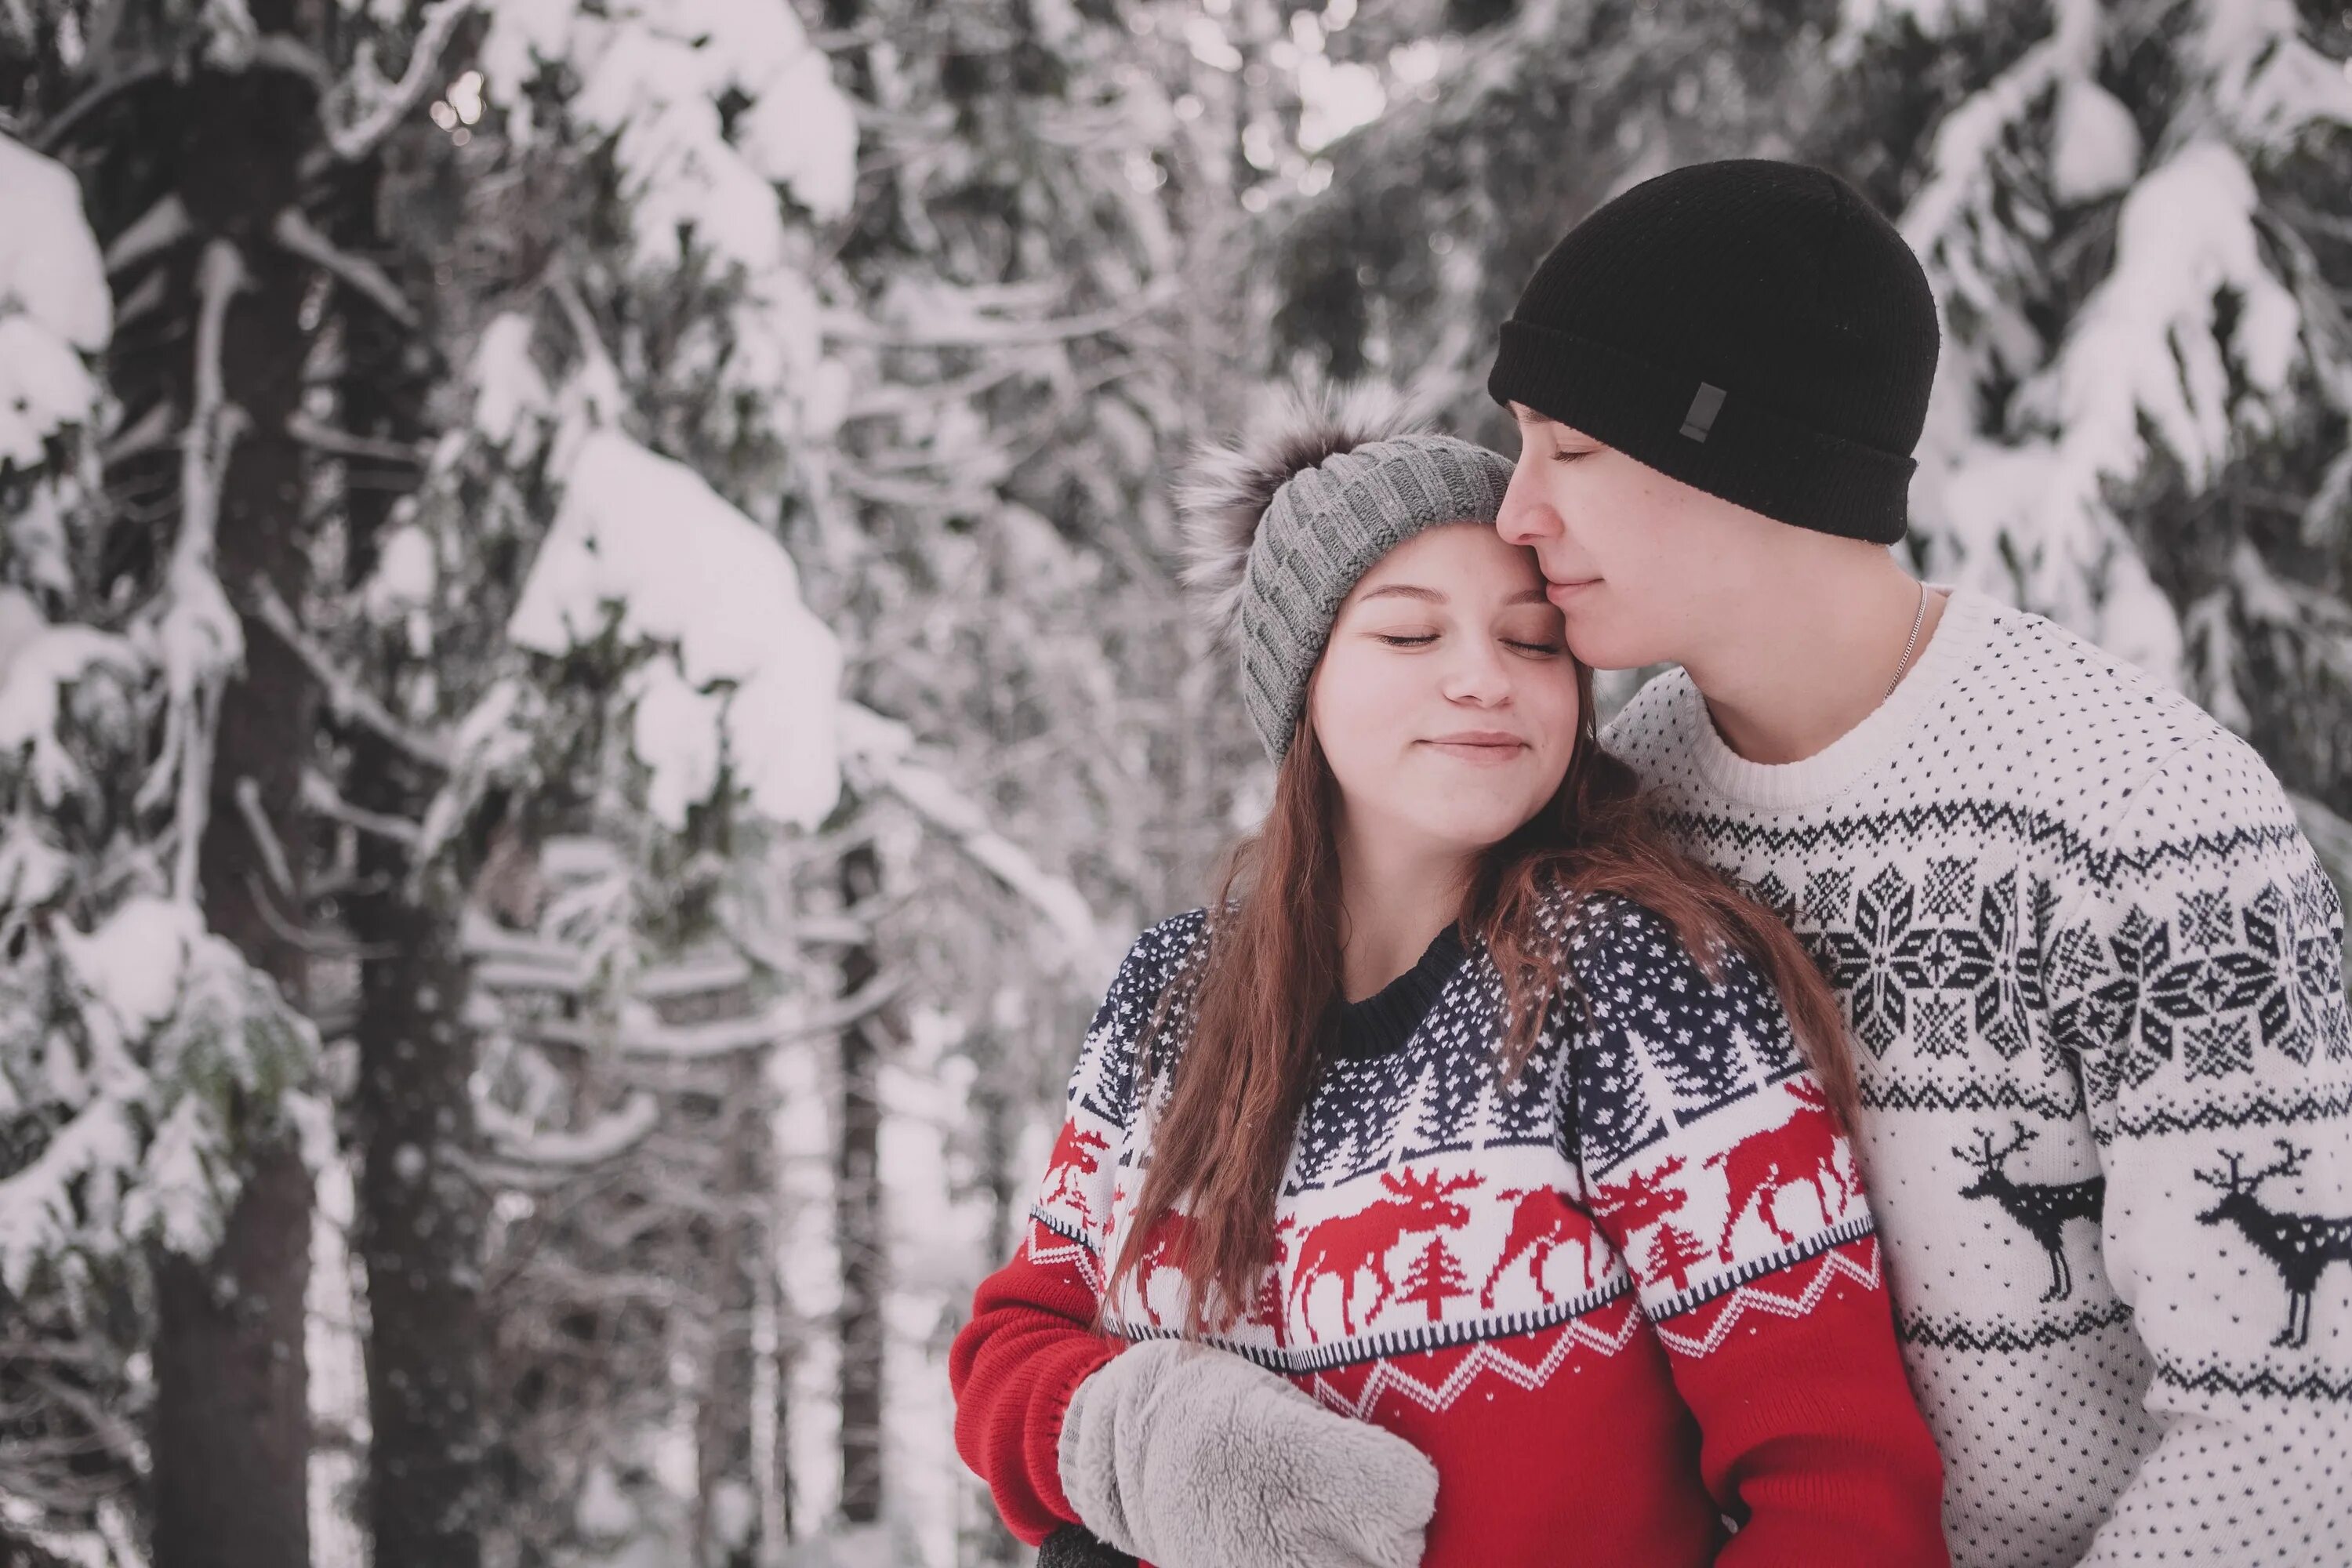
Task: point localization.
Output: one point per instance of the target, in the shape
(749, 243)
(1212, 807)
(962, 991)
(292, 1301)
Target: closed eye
(1402, 641)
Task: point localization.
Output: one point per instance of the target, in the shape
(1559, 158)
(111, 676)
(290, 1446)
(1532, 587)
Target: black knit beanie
(1753, 329)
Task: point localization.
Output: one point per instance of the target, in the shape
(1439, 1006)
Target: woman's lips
(1487, 746)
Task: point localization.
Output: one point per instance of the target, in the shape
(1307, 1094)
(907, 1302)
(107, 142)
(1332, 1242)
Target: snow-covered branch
(393, 102)
(296, 235)
(832, 1017)
(759, 1030)
(346, 696)
(265, 837)
(323, 437)
(981, 332)
(160, 228)
(607, 1138)
(321, 798)
(883, 750)
(519, 960)
(96, 97)
(153, 432)
(198, 632)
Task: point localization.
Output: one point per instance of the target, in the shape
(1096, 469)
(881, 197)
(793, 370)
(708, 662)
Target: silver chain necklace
(1912, 647)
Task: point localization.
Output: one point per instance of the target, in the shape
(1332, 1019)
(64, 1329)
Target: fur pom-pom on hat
(1281, 524)
(1225, 490)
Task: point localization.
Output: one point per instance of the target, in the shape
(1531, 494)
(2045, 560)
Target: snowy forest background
(591, 683)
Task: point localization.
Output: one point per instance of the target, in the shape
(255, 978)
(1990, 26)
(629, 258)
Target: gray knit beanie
(1280, 526)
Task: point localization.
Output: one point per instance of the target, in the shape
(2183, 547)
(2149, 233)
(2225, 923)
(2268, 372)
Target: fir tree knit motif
(2095, 978)
(1624, 1293)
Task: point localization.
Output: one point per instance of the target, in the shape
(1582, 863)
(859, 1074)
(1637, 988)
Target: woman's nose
(1475, 673)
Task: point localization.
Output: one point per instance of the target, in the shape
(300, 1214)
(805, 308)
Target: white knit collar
(1961, 634)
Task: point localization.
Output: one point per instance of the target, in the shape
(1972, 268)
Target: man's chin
(1596, 650)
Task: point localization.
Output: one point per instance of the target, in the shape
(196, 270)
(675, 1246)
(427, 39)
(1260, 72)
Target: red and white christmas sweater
(1624, 1303)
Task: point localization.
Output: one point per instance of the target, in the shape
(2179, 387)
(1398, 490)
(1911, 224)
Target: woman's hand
(1191, 1457)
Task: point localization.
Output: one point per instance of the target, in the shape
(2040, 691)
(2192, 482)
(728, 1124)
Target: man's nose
(1525, 518)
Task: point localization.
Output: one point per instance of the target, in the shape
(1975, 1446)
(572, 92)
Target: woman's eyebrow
(1431, 595)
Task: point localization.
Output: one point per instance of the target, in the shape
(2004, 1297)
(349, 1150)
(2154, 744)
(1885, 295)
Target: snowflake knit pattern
(1631, 1292)
(2096, 976)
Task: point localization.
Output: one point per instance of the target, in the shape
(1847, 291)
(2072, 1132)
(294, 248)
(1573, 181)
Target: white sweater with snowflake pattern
(2094, 974)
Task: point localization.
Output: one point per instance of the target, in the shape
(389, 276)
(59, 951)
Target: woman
(1469, 1187)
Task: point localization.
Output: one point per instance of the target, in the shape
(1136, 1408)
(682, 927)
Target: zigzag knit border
(1983, 816)
(1345, 1352)
(1956, 1335)
(2213, 1117)
(2261, 1380)
(1076, 1250)
(1724, 1284)
(1756, 1299)
(1973, 1096)
(1484, 1357)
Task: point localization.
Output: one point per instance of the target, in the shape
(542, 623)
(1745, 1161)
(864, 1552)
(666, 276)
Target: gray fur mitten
(1191, 1457)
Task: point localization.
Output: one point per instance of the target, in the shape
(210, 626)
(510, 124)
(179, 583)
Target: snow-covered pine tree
(2131, 216)
(669, 710)
(205, 145)
(1043, 252)
(1490, 127)
(130, 1032)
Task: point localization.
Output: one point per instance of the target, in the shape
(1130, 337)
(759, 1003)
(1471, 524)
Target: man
(2093, 969)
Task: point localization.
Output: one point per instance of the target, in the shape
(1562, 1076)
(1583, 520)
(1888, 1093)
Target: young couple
(1490, 1178)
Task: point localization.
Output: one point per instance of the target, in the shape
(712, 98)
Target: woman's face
(1445, 699)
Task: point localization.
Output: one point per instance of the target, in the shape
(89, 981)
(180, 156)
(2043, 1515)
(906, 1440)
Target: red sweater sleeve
(1809, 1429)
(1013, 1369)
(1715, 1166)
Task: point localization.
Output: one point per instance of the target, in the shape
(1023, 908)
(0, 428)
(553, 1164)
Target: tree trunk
(231, 1425)
(231, 1421)
(857, 1199)
(420, 1221)
(421, 1218)
(728, 1505)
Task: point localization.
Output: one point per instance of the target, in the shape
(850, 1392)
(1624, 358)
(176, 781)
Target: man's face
(1642, 566)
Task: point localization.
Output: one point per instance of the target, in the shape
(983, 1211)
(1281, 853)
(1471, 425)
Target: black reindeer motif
(2299, 1245)
(2042, 1209)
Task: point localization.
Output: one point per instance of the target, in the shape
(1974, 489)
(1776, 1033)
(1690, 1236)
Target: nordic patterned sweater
(1630, 1293)
(2096, 976)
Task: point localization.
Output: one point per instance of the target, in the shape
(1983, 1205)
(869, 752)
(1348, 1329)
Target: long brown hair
(1242, 1027)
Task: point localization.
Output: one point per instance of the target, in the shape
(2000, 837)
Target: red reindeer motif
(1267, 1306)
(1168, 1247)
(1801, 1151)
(1640, 1200)
(1076, 1156)
(1541, 1221)
(1348, 1243)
